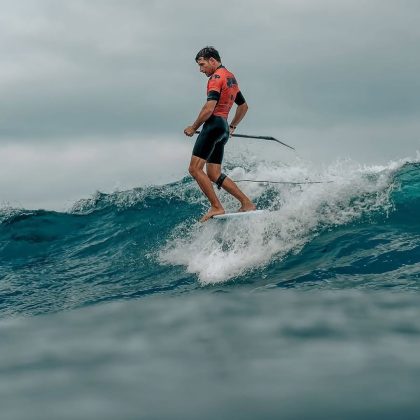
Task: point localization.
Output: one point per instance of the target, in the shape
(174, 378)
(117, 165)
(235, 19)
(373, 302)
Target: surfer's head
(208, 59)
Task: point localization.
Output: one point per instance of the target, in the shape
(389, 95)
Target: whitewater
(125, 306)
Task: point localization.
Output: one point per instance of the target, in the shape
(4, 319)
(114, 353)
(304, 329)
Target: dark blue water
(309, 311)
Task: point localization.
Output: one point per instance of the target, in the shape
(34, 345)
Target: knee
(213, 177)
(193, 170)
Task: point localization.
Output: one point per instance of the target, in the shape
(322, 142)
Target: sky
(96, 93)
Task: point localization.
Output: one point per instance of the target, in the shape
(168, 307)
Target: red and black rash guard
(223, 88)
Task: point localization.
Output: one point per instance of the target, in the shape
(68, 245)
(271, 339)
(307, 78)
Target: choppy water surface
(125, 307)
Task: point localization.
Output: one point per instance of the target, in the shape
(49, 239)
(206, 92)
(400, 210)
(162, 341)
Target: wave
(350, 195)
(356, 228)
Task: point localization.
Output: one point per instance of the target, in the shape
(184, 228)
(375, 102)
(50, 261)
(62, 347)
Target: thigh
(197, 163)
(204, 145)
(216, 155)
(207, 139)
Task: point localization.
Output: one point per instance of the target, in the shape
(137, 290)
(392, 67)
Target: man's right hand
(189, 131)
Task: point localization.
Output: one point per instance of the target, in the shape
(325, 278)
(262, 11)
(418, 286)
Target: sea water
(126, 307)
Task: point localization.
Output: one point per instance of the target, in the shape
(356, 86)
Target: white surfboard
(239, 214)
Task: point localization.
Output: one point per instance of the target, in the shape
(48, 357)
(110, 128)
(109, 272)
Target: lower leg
(233, 189)
(204, 182)
(206, 186)
(214, 170)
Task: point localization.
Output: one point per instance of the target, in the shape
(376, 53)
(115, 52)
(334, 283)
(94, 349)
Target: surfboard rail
(239, 214)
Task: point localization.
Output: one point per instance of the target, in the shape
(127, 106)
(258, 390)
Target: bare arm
(241, 110)
(203, 116)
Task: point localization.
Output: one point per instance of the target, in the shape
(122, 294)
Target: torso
(224, 82)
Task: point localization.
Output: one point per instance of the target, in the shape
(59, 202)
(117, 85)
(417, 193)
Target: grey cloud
(105, 87)
(124, 67)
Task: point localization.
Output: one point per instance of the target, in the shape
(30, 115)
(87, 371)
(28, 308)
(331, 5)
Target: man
(222, 92)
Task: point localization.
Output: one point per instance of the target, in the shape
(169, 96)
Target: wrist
(233, 127)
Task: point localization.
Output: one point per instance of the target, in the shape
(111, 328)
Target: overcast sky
(95, 94)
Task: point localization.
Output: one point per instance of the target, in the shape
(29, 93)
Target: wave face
(357, 228)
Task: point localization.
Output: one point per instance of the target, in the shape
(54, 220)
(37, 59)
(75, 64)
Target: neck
(217, 68)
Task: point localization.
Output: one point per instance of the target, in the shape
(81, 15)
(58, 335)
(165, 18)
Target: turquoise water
(126, 307)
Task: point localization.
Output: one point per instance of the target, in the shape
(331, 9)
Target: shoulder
(216, 79)
(216, 75)
(230, 78)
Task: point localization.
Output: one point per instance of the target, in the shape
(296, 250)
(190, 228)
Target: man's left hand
(189, 131)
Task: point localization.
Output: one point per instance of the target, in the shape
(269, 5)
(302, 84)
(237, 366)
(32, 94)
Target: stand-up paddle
(246, 136)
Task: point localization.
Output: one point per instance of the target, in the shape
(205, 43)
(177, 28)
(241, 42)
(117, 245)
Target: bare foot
(212, 212)
(250, 206)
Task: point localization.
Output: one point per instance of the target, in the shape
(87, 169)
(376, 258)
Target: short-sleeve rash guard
(223, 87)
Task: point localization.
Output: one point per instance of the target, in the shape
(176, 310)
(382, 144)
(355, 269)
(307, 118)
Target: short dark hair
(207, 53)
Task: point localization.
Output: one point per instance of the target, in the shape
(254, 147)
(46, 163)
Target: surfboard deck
(238, 215)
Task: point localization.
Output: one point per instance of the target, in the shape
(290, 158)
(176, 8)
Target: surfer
(222, 92)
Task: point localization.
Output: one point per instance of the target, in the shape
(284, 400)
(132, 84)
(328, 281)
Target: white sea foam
(221, 250)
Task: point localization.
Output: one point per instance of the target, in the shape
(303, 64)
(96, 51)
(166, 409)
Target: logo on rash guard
(231, 81)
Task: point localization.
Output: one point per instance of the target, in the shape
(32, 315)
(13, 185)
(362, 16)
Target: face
(208, 67)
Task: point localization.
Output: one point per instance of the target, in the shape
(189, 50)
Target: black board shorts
(211, 141)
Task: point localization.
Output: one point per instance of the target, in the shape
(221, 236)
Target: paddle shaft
(257, 137)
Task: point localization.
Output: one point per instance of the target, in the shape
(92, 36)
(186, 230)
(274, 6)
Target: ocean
(125, 307)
